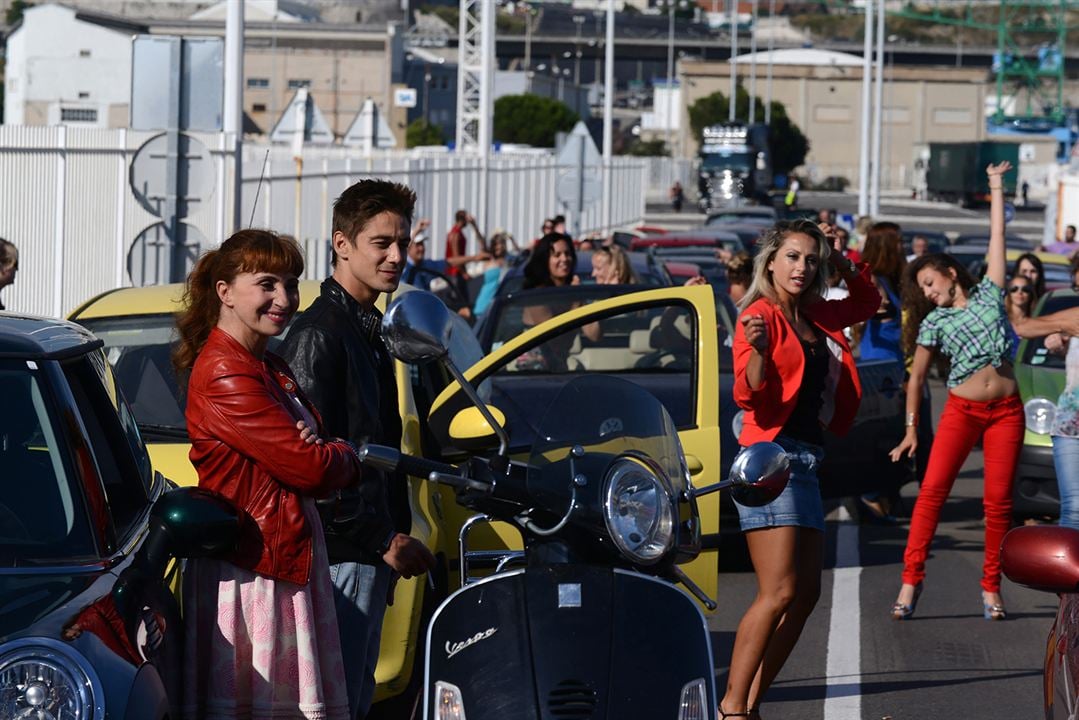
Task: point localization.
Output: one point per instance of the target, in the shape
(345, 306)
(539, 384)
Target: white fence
(66, 202)
(521, 192)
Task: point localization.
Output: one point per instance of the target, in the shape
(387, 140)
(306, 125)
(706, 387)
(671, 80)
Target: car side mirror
(188, 523)
(470, 429)
(1042, 557)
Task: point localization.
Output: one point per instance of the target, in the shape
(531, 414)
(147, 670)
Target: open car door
(664, 340)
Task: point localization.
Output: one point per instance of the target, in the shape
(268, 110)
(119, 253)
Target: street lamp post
(578, 20)
(732, 104)
(670, 74)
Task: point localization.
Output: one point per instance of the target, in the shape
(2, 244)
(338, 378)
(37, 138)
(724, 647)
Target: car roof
(158, 300)
(26, 337)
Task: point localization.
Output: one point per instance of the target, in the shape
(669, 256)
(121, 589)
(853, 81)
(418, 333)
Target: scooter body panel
(571, 642)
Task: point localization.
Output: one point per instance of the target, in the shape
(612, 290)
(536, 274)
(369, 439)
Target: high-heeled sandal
(901, 611)
(993, 611)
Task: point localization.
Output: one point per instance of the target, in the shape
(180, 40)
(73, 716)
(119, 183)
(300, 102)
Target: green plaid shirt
(973, 336)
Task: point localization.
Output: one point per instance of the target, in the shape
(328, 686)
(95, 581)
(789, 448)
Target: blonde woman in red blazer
(794, 377)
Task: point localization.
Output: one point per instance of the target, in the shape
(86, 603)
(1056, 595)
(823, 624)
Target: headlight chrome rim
(1039, 414)
(61, 657)
(658, 541)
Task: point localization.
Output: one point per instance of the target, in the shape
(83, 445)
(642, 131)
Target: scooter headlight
(1040, 413)
(638, 512)
(449, 705)
(694, 704)
(40, 677)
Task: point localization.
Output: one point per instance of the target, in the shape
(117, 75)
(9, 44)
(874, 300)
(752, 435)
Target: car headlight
(1040, 413)
(637, 511)
(41, 677)
(736, 423)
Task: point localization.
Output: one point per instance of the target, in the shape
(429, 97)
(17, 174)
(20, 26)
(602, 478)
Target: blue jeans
(1066, 460)
(359, 595)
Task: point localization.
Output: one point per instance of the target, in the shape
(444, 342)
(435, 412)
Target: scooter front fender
(568, 641)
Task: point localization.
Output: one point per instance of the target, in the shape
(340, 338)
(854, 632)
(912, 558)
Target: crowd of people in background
(813, 297)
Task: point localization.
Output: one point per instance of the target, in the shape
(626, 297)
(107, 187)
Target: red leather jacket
(769, 406)
(245, 446)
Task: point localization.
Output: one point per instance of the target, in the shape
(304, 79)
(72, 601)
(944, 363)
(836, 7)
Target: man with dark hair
(1067, 246)
(338, 357)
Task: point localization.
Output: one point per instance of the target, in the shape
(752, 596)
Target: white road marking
(843, 697)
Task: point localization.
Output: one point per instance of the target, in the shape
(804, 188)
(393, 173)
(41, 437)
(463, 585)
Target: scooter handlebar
(391, 460)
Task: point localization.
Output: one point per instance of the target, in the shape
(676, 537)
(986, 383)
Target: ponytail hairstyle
(246, 251)
(915, 304)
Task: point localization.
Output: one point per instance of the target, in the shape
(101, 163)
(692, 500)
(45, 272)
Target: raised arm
(997, 264)
(1065, 321)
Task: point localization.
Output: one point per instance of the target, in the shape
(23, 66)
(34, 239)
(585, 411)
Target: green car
(1041, 380)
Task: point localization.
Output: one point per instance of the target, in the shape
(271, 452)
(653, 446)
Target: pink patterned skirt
(262, 648)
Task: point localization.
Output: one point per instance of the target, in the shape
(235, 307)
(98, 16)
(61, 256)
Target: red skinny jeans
(1000, 425)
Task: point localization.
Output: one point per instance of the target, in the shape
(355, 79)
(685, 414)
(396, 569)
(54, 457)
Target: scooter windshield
(608, 416)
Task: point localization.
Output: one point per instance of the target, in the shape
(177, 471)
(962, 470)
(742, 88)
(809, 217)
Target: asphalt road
(912, 214)
(854, 662)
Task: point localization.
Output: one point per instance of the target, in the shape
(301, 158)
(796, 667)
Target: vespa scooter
(593, 624)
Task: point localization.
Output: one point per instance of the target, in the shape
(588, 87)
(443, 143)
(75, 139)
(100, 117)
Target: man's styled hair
(366, 199)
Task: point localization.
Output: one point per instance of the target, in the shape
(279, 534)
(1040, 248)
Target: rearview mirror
(759, 474)
(188, 523)
(1042, 557)
(417, 327)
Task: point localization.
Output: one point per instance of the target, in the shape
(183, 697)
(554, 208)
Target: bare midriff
(989, 383)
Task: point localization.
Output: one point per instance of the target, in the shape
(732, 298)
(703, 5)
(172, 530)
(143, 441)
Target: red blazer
(245, 446)
(768, 407)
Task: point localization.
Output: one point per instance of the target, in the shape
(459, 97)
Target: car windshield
(1036, 353)
(42, 513)
(139, 348)
(727, 160)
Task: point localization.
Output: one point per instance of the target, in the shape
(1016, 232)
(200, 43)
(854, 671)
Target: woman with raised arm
(968, 324)
(795, 377)
(1061, 332)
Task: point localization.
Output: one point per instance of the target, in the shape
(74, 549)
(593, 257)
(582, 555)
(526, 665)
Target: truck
(956, 172)
(734, 161)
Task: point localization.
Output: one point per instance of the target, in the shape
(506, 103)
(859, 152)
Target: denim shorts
(799, 504)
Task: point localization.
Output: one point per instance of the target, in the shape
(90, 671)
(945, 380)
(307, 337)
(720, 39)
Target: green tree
(531, 120)
(420, 132)
(14, 12)
(788, 145)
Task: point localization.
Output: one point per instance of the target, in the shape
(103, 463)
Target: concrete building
(61, 68)
(67, 65)
(822, 93)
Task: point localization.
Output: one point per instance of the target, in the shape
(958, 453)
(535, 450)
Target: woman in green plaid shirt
(966, 322)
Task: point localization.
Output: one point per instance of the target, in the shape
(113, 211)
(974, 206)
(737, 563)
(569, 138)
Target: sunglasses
(1019, 288)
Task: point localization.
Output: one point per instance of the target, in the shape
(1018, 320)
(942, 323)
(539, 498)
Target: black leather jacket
(337, 355)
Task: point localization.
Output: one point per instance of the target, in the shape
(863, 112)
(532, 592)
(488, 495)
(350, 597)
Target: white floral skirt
(257, 647)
